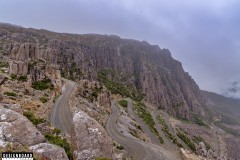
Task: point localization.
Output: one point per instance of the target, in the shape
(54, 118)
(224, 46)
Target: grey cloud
(203, 35)
(234, 88)
(232, 91)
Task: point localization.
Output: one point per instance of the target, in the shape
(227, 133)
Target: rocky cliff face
(144, 70)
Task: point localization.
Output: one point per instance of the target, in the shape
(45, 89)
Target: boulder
(89, 138)
(49, 151)
(209, 154)
(15, 127)
(13, 107)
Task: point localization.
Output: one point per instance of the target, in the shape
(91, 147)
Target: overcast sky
(204, 35)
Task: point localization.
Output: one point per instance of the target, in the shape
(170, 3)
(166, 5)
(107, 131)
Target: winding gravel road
(143, 125)
(61, 116)
(138, 150)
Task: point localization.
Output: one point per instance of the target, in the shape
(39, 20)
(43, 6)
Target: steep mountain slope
(142, 70)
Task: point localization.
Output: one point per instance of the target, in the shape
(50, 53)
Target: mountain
(128, 67)
(100, 96)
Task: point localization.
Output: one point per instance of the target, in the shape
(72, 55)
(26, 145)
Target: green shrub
(10, 94)
(43, 84)
(186, 140)
(23, 78)
(3, 64)
(199, 121)
(95, 94)
(56, 131)
(120, 147)
(143, 113)
(13, 76)
(123, 103)
(33, 119)
(43, 99)
(55, 139)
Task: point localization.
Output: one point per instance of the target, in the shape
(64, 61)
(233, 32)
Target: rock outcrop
(15, 128)
(18, 67)
(94, 99)
(186, 155)
(49, 151)
(89, 138)
(148, 70)
(208, 154)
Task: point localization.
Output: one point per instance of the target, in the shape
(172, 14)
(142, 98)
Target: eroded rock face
(24, 52)
(94, 99)
(151, 70)
(49, 151)
(26, 58)
(89, 138)
(17, 128)
(18, 67)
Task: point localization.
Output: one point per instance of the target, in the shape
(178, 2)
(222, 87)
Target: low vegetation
(95, 93)
(166, 131)
(114, 87)
(57, 140)
(199, 121)
(56, 131)
(72, 72)
(123, 103)
(182, 135)
(198, 139)
(43, 84)
(11, 94)
(13, 76)
(43, 99)
(33, 119)
(14, 147)
(134, 133)
(120, 147)
(144, 114)
(3, 64)
(23, 78)
(117, 85)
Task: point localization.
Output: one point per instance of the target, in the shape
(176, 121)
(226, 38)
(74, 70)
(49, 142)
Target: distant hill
(227, 108)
